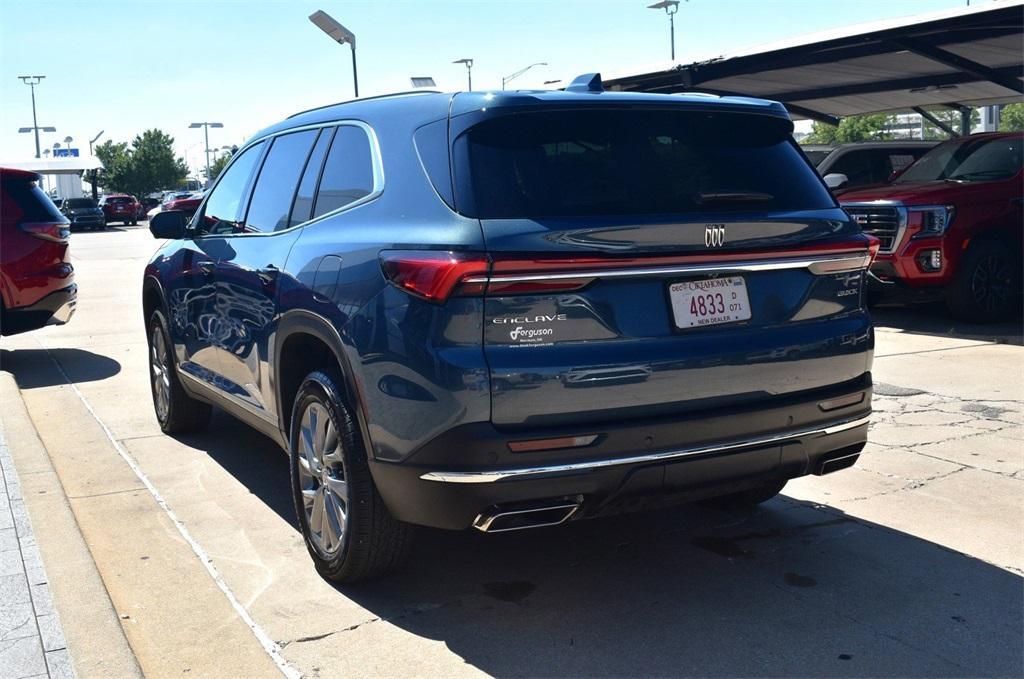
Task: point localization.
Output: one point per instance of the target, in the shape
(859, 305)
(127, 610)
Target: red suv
(119, 207)
(37, 281)
(951, 224)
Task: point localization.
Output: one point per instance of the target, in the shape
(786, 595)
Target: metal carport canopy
(971, 56)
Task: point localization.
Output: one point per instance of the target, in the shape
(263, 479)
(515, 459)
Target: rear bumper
(631, 465)
(54, 309)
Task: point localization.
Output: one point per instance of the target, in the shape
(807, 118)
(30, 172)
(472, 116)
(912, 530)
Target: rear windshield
(35, 205)
(119, 199)
(967, 160)
(79, 202)
(584, 163)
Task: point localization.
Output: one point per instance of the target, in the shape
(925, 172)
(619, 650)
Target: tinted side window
(303, 208)
(857, 166)
(348, 173)
(222, 209)
(275, 188)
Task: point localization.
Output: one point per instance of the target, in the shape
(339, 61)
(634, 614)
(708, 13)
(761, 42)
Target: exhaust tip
(502, 519)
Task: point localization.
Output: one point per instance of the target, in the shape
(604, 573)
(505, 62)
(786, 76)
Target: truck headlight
(931, 220)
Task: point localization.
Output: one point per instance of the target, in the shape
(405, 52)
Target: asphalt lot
(910, 564)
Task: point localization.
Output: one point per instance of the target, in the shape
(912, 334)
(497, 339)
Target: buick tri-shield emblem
(714, 235)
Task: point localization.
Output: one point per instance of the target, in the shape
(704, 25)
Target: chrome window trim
(378, 177)
(494, 476)
(818, 266)
(901, 216)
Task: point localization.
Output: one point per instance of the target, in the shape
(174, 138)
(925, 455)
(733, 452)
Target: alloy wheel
(991, 282)
(160, 374)
(322, 479)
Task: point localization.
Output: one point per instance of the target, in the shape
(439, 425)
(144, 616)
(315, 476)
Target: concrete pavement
(909, 564)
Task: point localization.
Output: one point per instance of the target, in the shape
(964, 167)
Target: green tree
(1011, 118)
(152, 164)
(951, 118)
(872, 127)
(114, 157)
(218, 165)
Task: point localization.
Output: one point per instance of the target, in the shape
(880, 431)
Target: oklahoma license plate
(710, 301)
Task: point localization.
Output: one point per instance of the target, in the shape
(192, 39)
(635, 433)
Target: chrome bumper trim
(573, 467)
(816, 265)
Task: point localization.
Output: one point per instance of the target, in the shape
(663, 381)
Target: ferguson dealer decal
(530, 329)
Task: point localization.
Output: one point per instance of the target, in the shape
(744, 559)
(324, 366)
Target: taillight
(433, 274)
(58, 232)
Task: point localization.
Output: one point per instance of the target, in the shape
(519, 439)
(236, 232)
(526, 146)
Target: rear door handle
(268, 274)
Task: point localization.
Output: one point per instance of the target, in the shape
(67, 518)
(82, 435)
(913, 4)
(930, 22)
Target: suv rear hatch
(650, 261)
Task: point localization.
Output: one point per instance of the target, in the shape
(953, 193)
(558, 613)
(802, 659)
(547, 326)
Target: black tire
(372, 542)
(987, 287)
(747, 498)
(183, 414)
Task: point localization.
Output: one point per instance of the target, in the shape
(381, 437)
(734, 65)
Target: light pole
(509, 78)
(670, 7)
(206, 141)
(341, 35)
(469, 70)
(32, 81)
(68, 140)
(93, 141)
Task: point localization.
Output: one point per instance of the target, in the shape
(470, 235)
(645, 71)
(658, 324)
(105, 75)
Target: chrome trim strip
(816, 265)
(573, 467)
(218, 392)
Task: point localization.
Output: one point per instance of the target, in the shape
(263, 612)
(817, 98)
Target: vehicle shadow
(34, 368)
(792, 588)
(934, 319)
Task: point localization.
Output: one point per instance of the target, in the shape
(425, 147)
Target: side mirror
(169, 224)
(836, 180)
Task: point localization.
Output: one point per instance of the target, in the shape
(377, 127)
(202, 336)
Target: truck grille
(885, 222)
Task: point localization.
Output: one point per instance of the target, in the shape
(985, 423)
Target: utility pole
(469, 71)
(206, 140)
(32, 81)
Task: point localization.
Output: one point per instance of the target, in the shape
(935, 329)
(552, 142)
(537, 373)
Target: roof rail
(378, 96)
(588, 82)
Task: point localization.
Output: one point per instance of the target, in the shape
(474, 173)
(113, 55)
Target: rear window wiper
(732, 197)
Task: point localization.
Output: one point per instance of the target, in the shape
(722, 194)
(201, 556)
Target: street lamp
(93, 141)
(509, 78)
(341, 35)
(469, 70)
(670, 7)
(68, 140)
(32, 81)
(206, 141)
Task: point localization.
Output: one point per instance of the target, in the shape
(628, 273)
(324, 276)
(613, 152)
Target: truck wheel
(176, 411)
(348, 531)
(986, 287)
(747, 498)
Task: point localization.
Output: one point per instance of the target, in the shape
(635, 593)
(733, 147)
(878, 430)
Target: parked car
(37, 280)
(147, 204)
(82, 213)
(186, 203)
(864, 163)
(120, 207)
(510, 310)
(951, 226)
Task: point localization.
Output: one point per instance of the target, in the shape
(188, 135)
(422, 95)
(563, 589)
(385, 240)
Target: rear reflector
(432, 274)
(842, 401)
(58, 232)
(551, 444)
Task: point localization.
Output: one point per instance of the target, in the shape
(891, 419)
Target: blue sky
(127, 66)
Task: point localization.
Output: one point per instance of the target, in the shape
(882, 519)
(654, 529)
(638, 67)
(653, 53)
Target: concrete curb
(95, 639)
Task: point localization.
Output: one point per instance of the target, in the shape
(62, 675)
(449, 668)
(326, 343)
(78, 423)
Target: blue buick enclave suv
(512, 309)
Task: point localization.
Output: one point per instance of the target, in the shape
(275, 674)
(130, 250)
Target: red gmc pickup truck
(951, 225)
